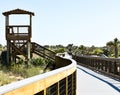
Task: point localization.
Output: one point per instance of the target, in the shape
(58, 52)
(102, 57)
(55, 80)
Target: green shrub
(38, 62)
(33, 71)
(59, 50)
(4, 58)
(36, 67)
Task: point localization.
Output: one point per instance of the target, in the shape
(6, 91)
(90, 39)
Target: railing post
(115, 67)
(58, 88)
(106, 66)
(67, 85)
(74, 83)
(118, 69)
(28, 52)
(110, 66)
(102, 64)
(45, 88)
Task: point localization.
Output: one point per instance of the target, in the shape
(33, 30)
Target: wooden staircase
(42, 51)
(18, 49)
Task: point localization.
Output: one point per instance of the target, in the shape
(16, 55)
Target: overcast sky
(81, 22)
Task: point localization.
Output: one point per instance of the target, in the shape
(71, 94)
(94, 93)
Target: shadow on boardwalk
(91, 83)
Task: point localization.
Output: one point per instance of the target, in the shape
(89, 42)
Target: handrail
(45, 82)
(108, 66)
(10, 29)
(18, 26)
(42, 47)
(42, 51)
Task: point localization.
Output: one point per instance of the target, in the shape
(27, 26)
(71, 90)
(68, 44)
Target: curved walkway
(91, 83)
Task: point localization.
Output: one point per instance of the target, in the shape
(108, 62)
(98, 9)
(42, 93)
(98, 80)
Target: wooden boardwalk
(91, 83)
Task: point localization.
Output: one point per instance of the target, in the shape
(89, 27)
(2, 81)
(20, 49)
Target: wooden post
(28, 51)
(11, 55)
(115, 68)
(8, 43)
(58, 88)
(45, 92)
(110, 66)
(67, 85)
(30, 26)
(8, 52)
(72, 83)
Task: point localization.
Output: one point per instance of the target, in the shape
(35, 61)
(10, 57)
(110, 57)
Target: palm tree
(114, 44)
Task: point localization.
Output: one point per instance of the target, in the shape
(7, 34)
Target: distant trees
(56, 48)
(59, 49)
(82, 48)
(78, 50)
(69, 48)
(106, 51)
(111, 49)
(114, 44)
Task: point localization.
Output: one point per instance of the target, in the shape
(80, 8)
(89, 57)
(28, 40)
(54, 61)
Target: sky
(78, 22)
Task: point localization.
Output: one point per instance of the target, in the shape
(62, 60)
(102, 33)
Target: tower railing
(61, 81)
(14, 32)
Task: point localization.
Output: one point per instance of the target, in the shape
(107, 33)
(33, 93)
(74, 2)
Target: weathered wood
(14, 34)
(17, 11)
(108, 66)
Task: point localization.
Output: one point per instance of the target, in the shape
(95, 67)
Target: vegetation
(14, 72)
(114, 44)
(110, 50)
(1, 47)
(5, 78)
(19, 71)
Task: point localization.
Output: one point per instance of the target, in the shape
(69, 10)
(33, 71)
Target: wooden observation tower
(18, 36)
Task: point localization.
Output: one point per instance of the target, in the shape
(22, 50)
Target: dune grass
(19, 71)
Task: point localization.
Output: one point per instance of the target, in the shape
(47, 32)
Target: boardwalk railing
(108, 66)
(61, 81)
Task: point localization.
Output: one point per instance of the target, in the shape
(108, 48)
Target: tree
(59, 50)
(115, 45)
(82, 48)
(69, 47)
(97, 51)
(106, 51)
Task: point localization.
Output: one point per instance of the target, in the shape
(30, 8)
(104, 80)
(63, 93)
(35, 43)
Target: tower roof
(17, 11)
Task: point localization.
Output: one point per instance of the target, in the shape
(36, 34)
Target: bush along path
(19, 71)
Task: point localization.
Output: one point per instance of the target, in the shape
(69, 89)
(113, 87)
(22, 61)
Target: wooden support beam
(21, 47)
(18, 50)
